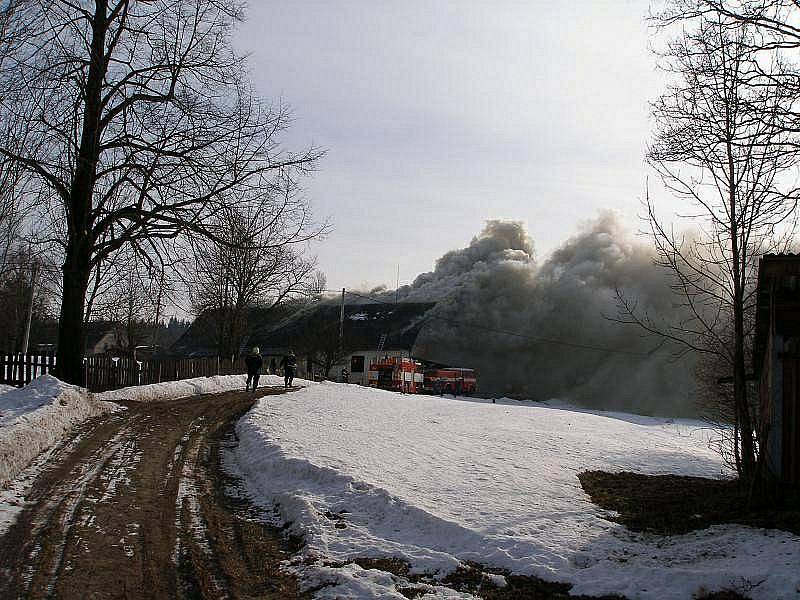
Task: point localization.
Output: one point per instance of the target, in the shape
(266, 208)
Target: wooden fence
(20, 369)
(103, 373)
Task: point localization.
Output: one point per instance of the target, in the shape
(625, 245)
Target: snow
(14, 402)
(36, 417)
(438, 481)
(174, 390)
(33, 421)
(12, 496)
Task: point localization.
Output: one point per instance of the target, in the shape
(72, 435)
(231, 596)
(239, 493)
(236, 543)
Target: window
(357, 364)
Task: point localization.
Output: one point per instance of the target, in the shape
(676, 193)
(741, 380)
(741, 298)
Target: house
(101, 337)
(202, 338)
(110, 337)
(369, 331)
(776, 361)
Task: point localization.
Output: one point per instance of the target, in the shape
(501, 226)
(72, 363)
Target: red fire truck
(450, 380)
(396, 373)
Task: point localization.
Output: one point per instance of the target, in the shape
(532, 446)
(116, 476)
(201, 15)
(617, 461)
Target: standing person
(272, 367)
(288, 363)
(254, 362)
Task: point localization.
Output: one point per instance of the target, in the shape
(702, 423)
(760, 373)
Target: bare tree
(774, 31)
(135, 120)
(131, 295)
(717, 148)
(314, 331)
(11, 222)
(242, 268)
(26, 297)
(25, 270)
(772, 22)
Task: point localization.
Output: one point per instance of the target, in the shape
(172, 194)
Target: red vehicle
(450, 380)
(396, 373)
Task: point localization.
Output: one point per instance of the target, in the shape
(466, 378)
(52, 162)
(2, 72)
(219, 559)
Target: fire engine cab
(396, 373)
(450, 380)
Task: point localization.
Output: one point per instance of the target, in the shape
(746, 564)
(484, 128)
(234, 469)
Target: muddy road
(136, 505)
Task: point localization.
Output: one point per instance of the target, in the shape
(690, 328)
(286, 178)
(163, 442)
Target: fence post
(17, 371)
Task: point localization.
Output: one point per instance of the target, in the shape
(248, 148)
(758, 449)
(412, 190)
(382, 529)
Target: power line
(511, 333)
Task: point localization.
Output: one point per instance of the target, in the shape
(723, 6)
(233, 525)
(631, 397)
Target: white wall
(369, 356)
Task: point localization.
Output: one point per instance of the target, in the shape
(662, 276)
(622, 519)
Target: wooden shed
(776, 361)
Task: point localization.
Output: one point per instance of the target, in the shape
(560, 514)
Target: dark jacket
(289, 362)
(254, 363)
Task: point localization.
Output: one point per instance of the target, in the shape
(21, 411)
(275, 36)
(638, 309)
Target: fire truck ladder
(381, 342)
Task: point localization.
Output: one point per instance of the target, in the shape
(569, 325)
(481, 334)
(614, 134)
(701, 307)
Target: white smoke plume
(494, 285)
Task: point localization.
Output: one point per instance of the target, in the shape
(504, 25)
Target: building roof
(364, 326)
(200, 339)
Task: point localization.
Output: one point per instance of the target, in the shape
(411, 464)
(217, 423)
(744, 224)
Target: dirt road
(137, 506)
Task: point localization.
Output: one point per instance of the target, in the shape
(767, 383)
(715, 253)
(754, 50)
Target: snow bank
(35, 418)
(437, 481)
(173, 390)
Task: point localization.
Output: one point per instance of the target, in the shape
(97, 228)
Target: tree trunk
(740, 397)
(741, 406)
(738, 256)
(71, 326)
(77, 269)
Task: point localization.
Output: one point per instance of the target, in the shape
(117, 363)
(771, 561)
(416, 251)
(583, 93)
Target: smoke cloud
(494, 285)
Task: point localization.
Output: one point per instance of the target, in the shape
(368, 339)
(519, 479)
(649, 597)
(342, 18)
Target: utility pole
(26, 338)
(341, 326)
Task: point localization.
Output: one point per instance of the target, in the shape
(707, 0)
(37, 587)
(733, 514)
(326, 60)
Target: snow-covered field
(437, 481)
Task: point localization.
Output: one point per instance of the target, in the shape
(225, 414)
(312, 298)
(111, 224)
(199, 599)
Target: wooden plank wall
(790, 421)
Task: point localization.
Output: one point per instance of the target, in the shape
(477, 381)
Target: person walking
(254, 362)
(288, 364)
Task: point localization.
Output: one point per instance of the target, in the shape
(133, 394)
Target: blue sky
(439, 115)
